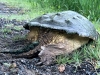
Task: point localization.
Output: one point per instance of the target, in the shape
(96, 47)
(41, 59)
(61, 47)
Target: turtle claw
(46, 59)
(49, 52)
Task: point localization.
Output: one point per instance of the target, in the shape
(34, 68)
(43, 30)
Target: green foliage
(5, 30)
(62, 59)
(88, 8)
(97, 26)
(74, 57)
(18, 37)
(18, 28)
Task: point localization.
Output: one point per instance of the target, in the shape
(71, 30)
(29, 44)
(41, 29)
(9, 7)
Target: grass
(6, 29)
(18, 28)
(88, 8)
(30, 14)
(18, 37)
(97, 26)
(33, 10)
(38, 7)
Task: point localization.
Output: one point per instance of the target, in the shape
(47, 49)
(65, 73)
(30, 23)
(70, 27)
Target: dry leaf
(61, 68)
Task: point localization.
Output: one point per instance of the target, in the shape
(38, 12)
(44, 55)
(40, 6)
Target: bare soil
(12, 38)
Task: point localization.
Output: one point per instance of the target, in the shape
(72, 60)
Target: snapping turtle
(59, 33)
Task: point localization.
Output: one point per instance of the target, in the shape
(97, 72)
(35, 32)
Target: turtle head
(33, 34)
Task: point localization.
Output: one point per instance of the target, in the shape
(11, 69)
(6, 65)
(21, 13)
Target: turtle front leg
(49, 52)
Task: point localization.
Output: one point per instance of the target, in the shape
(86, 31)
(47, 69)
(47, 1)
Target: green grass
(18, 37)
(25, 5)
(34, 10)
(6, 30)
(88, 8)
(97, 26)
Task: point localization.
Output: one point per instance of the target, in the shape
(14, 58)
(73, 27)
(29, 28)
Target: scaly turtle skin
(58, 33)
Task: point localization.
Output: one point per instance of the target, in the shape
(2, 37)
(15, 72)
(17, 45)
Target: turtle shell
(69, 21)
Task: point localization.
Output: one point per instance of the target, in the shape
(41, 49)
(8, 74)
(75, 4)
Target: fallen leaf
(61, 68)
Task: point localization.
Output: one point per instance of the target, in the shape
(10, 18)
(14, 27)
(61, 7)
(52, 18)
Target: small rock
(61, 68)
(13, 65)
